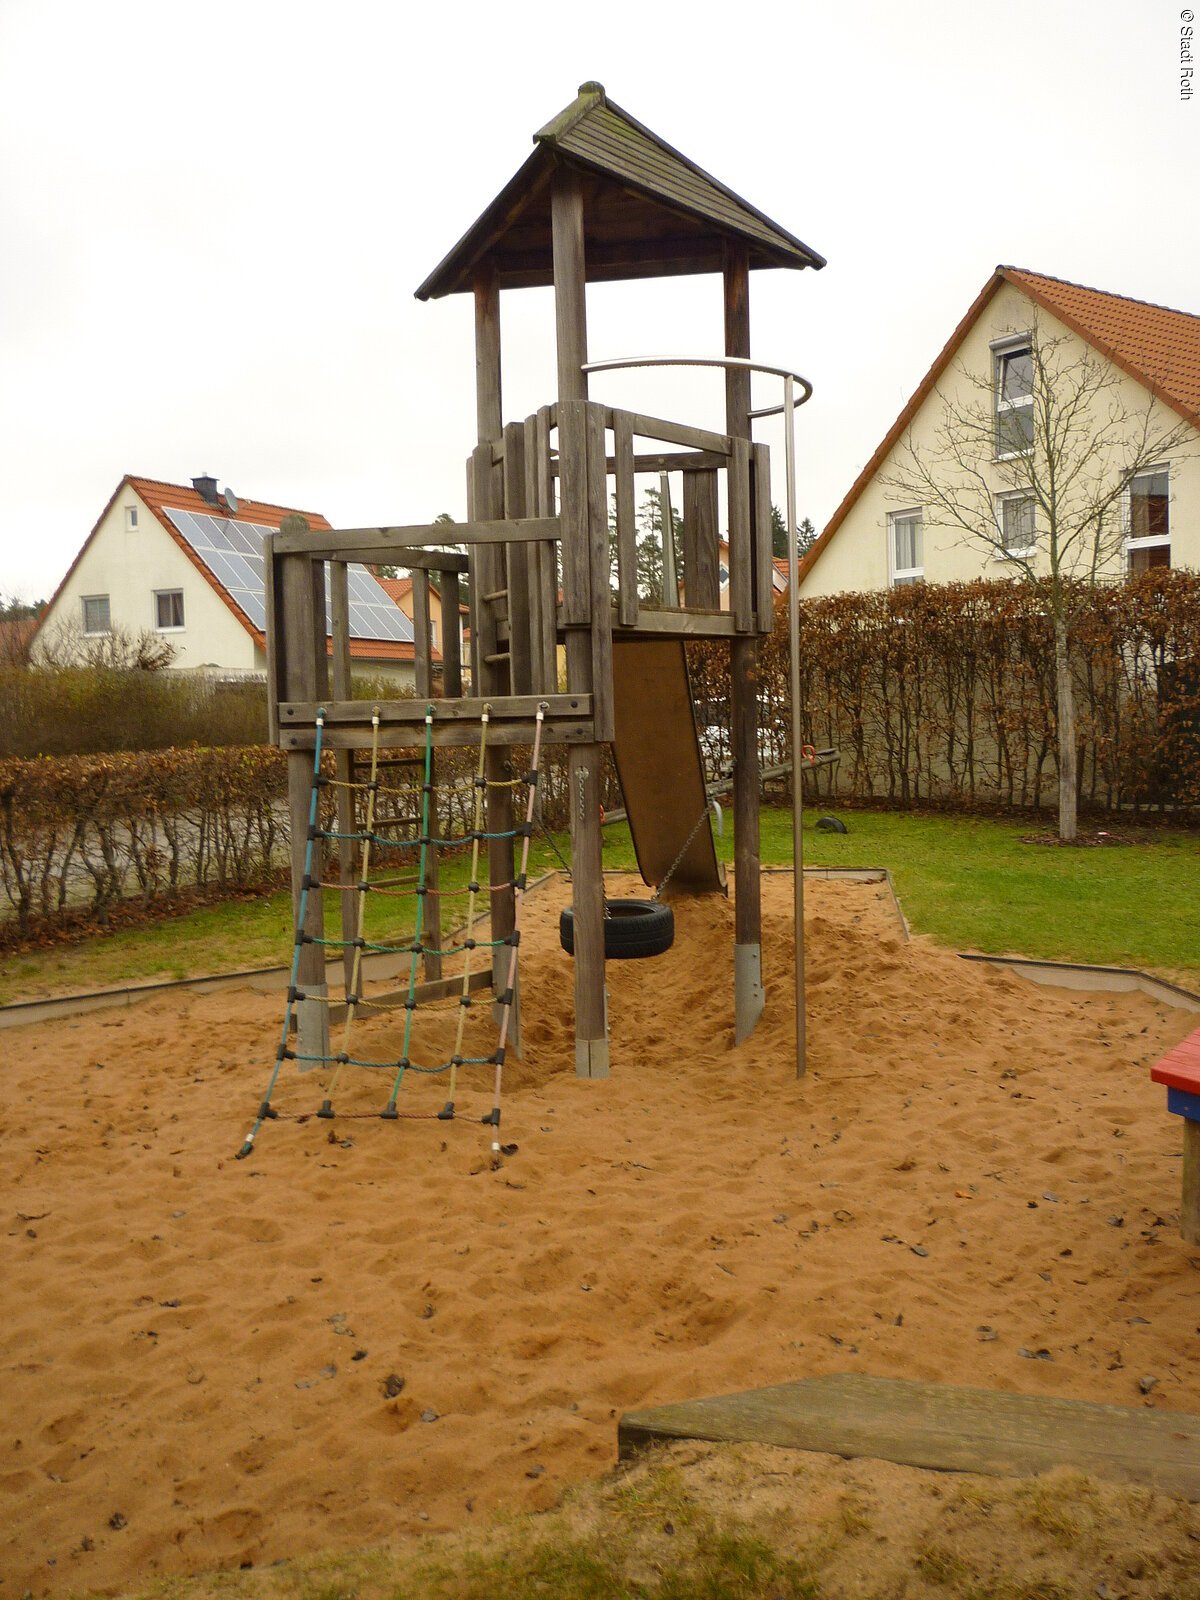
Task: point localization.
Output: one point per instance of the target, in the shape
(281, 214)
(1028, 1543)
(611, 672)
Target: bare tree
(66, 645)
(1032, 464)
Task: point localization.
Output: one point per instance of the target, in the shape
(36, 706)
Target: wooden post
(431, 919)
(1189, 1210)
(343, 763)
(747, 955)
(300, 619)
(701, 575)
(584, 761)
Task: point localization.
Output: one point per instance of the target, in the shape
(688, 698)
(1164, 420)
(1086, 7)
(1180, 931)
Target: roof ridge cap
(1090, 288)
(590, 95)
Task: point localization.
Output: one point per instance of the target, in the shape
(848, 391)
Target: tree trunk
(1068, 786)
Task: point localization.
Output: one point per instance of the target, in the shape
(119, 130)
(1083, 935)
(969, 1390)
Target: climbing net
(370, 839)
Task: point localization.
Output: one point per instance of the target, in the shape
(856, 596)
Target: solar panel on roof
(231, 549)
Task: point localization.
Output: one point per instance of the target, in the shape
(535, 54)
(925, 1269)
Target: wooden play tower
(600, 199)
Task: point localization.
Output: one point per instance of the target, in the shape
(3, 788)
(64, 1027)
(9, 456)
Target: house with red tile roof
(401, 592)
(877, 537)
(186, 563)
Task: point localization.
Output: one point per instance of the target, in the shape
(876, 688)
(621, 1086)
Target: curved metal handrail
(788, 409)
(744, 363)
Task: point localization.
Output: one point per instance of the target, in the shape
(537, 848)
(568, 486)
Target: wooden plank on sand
(938, 1426)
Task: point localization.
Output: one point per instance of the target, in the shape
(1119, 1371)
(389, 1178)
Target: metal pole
(789, 434)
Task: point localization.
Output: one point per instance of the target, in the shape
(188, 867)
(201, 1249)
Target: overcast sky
(214, 217)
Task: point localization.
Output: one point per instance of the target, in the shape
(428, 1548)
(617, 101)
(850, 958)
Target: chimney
(206, 488)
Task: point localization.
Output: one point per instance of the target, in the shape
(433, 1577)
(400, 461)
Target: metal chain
(686, 845)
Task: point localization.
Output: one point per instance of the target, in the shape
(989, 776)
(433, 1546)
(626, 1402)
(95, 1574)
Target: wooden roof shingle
(648, 210)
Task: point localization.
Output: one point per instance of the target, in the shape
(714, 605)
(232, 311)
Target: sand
(976, 1183)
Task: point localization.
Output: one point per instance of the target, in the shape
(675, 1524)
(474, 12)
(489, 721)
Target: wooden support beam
(747, 967)
(741, 535)
(576, 555)
(623, 466)
(764, 565)
(489, 409)
(645, 427)
(519, 563)
(601, 575)
(452, 679)
(701, 567)
(276, 690)
(570, 273)
(341, 687)
(410, 714)
(301, 616)
(377, 544)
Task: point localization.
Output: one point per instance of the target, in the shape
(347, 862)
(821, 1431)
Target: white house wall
(856, 557)
(130, 565)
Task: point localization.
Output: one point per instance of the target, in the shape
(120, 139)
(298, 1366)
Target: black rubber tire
(632, 929)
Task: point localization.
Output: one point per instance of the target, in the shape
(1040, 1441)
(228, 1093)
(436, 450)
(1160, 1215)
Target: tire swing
(634, 929)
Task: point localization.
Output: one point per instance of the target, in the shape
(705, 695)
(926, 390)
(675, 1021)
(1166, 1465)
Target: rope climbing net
(369, 839)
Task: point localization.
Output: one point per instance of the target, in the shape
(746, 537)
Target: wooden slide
(660, 767)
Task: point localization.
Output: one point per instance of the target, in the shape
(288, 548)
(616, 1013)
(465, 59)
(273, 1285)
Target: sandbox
(363, 1333)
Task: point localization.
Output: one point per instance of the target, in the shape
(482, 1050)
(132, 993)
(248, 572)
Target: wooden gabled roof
(649, 212)
(1156, 345)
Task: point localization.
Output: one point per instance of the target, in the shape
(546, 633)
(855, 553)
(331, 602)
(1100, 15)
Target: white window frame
(1011, 346)
(96, 633)
(171, 627)
(1152, 541)
(900, 575)
(131, 518)
(1005, 552)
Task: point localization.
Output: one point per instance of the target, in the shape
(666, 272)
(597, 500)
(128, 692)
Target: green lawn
(970, 883)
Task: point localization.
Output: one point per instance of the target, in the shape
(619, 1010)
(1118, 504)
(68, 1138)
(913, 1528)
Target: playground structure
(600, 199)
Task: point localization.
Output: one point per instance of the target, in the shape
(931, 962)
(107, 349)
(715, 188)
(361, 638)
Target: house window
(1014, 399)
(96, 618)
(906, 547)
(1017, 525)
(433, 632)
(168, 609)
(1148, 520)
(131, 518)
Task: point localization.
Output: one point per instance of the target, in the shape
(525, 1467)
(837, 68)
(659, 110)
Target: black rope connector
(403, 1064)
(320, 781)
(294, 994)
(446, 1114)
(308, 881)
(456, 1061)
(360, 943)
(514, 938)
(282, 1053)
(519, 882)
(427, 788)
(481, 783)
(505, 999)
(302, 937)
(363, 886)
(410, 1004)
(342, 1058)
(469, 944)
(421, 889)
(265, 1110)
(314, 832)
(465, 1000)
(326, 1111)
(525, 831)
(498, 1058)
(493, 1118)
(288, 1055)
(473, 888)
(353, 999)
(245, 1150)
(417, 948)
(389, 1112)
(531, 776)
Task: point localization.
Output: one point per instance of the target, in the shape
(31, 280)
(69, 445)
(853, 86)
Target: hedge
(944, 694)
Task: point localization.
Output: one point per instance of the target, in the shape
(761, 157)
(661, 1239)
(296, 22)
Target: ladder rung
(499, 655)
(496, 594)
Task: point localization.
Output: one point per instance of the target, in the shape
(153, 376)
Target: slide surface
(660, 767)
